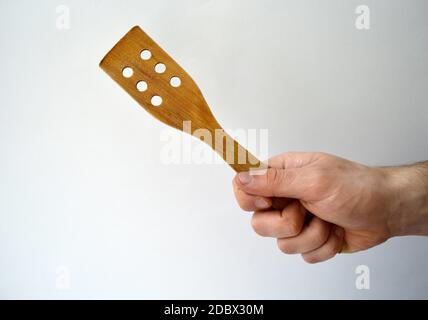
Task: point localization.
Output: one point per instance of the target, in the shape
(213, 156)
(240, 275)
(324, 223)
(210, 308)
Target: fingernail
(338, 231)
(245, 177)
(261, 203)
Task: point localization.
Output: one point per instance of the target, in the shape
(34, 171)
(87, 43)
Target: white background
(82, 185)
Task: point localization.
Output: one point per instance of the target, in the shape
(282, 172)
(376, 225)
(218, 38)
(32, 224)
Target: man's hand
(319, 205)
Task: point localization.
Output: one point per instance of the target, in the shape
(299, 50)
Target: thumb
(275, 182)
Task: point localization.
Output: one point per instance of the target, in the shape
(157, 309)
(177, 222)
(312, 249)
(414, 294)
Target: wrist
(408, 200)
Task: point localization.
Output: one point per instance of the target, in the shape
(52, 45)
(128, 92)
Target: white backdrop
(87, 208)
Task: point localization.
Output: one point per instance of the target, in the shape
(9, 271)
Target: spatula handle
(239, 158)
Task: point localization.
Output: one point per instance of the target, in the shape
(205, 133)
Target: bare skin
(318, 205)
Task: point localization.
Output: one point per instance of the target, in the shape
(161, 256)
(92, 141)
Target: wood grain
(179, 104)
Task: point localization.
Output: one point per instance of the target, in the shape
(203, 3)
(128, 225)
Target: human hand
(318, 205)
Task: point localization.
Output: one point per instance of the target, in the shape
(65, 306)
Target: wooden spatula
(168, 93)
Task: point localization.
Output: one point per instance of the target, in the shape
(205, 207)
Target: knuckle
(329, 251)
(320, 233)
(330, 255)
(274, 177)
(293, 227)
(285, 246)
(245, 205)
(333, 247)
(257, 225)
(319, 238)
(311, 259)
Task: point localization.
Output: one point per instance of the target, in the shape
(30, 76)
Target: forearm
(409, 199)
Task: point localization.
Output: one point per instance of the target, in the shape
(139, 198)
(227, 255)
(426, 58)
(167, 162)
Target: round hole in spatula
(160, 68)
(127, 72)
(141, 86)
(145, 54)
(175, 82)
(156, 101)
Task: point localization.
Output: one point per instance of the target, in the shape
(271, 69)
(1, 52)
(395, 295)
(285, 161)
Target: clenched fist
(319, 205)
